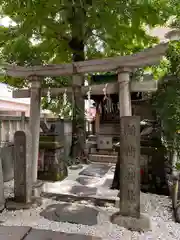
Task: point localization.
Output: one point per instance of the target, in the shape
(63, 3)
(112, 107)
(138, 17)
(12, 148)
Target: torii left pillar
(35, 111)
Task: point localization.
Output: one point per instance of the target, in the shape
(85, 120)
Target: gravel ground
(158, 208)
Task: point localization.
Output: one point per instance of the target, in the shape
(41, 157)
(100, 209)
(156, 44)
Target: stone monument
(130, 166)
(22, 173)
(22, 168)
(129, 215)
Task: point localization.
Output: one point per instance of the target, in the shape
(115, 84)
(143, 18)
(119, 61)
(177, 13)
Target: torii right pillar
(129, 215)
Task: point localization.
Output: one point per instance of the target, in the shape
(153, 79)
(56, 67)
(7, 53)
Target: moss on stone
(54, 175)
(50, 138)
(50, 145)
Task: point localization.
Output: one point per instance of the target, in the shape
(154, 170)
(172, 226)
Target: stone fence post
(130, 166)
(22, 167)
(129, 209)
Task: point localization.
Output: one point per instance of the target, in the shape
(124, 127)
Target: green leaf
(58, 28)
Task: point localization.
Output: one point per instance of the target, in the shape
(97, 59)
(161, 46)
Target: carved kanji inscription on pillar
(130, 166)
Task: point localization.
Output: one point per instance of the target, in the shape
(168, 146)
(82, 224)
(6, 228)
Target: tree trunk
(77, 46)
(78, 124)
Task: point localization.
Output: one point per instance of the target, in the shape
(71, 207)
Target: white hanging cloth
(107, 100)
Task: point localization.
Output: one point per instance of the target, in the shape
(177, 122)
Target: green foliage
(106, 28)
(117, 26)
(167, 98)
(178, 166)
(58, 107)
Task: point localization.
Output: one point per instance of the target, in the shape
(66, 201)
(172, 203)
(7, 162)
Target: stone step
(91, 138)
(106, 152)
(91, 143)
(102, 158)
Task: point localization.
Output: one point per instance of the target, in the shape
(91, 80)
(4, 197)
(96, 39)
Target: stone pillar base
(13, 205)
(134, 224)
(38, 189)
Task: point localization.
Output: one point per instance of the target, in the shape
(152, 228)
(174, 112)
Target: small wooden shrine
(104, 145)
(107, 110)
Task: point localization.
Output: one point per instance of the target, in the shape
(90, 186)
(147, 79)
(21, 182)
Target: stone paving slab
(72, 213)
(88, 181)
(95, 170)
(77, 190)
(13, 232)
(37, 234)
(27, 233)
(79, 186)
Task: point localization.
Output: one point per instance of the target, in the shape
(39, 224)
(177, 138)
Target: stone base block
(37, 189)
(134, 224)
(13, 205)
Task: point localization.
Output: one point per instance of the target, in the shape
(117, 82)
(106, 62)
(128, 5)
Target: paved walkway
(27, 233)
(85, 183)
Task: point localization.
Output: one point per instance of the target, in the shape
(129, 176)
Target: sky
(7, 93)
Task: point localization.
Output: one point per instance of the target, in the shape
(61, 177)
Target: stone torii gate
(122, 65)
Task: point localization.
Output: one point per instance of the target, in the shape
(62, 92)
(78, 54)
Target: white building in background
(10, 106)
